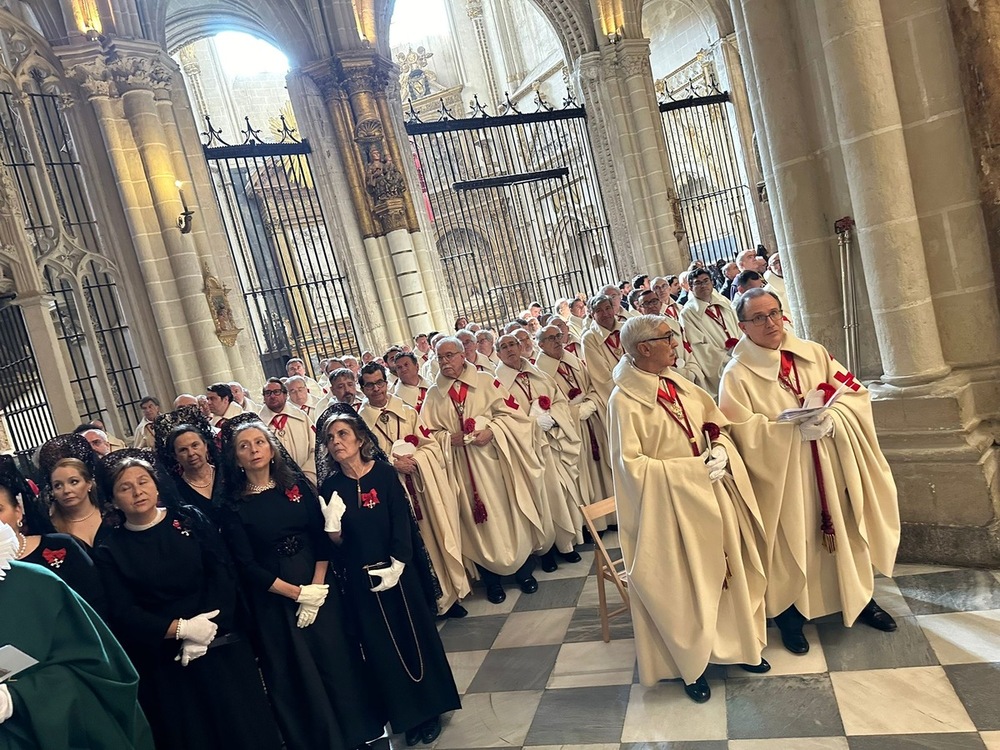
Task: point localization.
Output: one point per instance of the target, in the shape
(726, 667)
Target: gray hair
(486, 332)
(339, 373)
(465, 333)
(448, 340)
(638, 329)
(752, 294)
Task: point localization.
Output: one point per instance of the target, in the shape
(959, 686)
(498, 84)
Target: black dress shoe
(413, 736)
(529, 585)
(875, 617)
(456, 611)
(431, 730)
(571, 557)
(699, 690)
(757, 668)
(495, 593)
(794, 641)
(548, 561)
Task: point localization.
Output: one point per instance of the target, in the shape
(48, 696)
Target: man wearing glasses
(687, 365)
(691, 533)
(602, 347)
(423, 473)
(711, 327)
(293, 428)
(827, 495)
(495, 469)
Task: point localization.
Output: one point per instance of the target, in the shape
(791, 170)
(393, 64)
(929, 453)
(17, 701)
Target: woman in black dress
(186, 446)
(67, 467)
(274, 526)
(37, 541)
(383, 562)
(173, 605)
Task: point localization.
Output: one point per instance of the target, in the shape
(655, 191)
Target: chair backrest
(599, 509)
(590, 513)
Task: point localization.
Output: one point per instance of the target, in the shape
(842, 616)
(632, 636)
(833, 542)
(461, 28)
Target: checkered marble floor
(534, 673)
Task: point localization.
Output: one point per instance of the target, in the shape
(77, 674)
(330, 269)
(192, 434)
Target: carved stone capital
(391, 214)
(632, 58)
(135, 73)
(475, 9)
(93, 78)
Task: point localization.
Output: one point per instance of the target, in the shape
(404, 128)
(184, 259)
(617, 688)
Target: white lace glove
(199, 629)
(333, 513)
(313, 594)
(587, 410)
(390, 576)
(816, 428)
(6, 704)
(189, 652)
(716, 460)
(545, 421)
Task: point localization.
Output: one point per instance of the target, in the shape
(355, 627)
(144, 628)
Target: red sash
(614, 343)
(789, 369)
(523, 382)
(420, 400)
(715, 313)
(668, 398)
(278, 422)
(458, 392)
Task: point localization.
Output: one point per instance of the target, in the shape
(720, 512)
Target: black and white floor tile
(534, 673)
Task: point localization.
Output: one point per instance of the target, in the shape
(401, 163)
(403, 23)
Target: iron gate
(36, 145)
(715, 202)
(516, 206)
(23, 406)
(296, 295)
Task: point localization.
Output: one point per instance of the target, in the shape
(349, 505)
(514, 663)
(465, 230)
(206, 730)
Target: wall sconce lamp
(184, 220)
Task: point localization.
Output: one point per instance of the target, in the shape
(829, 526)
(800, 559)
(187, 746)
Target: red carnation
(573, 393)
(294, 493)
(712, 430)
(544, 403)
(412, 440)
(731, 342)
(828, 391)
(469, 426)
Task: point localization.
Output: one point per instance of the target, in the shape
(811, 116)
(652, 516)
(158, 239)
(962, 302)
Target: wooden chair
(607, 569)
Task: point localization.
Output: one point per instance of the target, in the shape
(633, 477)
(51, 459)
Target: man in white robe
(298, 394)
(410, 386)
(570, 341)
(686, 362)
(423, 472)
(472, 355)
(343, 387)
(291, 426)
(143, 436)
(486, 343)
(711, 327)
(775, 279)
(826, 492)
(296, 366)
(557, 441)
(577, 322)
(241, 398)
(494, 467)
(602, 348)
(221, 407)
(691, 534)
(571, 377)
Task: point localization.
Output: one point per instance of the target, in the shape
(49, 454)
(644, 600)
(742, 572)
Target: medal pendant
(384, 417)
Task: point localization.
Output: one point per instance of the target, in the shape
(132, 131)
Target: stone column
(874, 150)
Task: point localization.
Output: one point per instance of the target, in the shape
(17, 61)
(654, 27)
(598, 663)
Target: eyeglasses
(659, 338)
(273, 392)
(553, 337)
(702, 282)
(450, 355)
(379, 384)
(758, 320)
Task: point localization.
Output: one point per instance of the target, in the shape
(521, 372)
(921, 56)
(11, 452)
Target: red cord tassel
(413, 498)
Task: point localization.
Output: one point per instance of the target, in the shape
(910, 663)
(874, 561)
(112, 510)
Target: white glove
(816, 428)
(313, 594)
(333, 512)
(587, 410)
(545, 421)
(200, 629)
(6, 704)
(306, 615)
(390, 576)
(716, 460)
(189, 652)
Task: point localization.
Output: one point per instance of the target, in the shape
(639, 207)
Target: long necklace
(85, 518)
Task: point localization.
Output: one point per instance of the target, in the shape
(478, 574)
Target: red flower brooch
(412, 440)
(181, 528)
(544, 403)
(469, 426)
(293, 493)
(731, 342)
(369, 499)
(573, 393)
(712, 430)
(54, 557)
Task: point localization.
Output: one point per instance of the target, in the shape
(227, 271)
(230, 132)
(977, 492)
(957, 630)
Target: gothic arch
(718, 10)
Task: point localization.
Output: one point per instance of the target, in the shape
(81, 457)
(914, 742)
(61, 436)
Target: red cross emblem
(511, 402)
(847, 378)
(425, 432)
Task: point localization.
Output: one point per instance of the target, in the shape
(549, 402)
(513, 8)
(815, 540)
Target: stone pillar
(874, 150)
(945, 189)
(976, 29)
(354, 89)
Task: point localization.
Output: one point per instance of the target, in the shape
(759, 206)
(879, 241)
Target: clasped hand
(311, 597)
(817, 427)
(716, 460)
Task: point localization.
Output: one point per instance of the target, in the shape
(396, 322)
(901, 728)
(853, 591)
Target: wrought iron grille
(715, 203)
(516, 207)
(23, 405)
(296, 295)
(38, 149)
